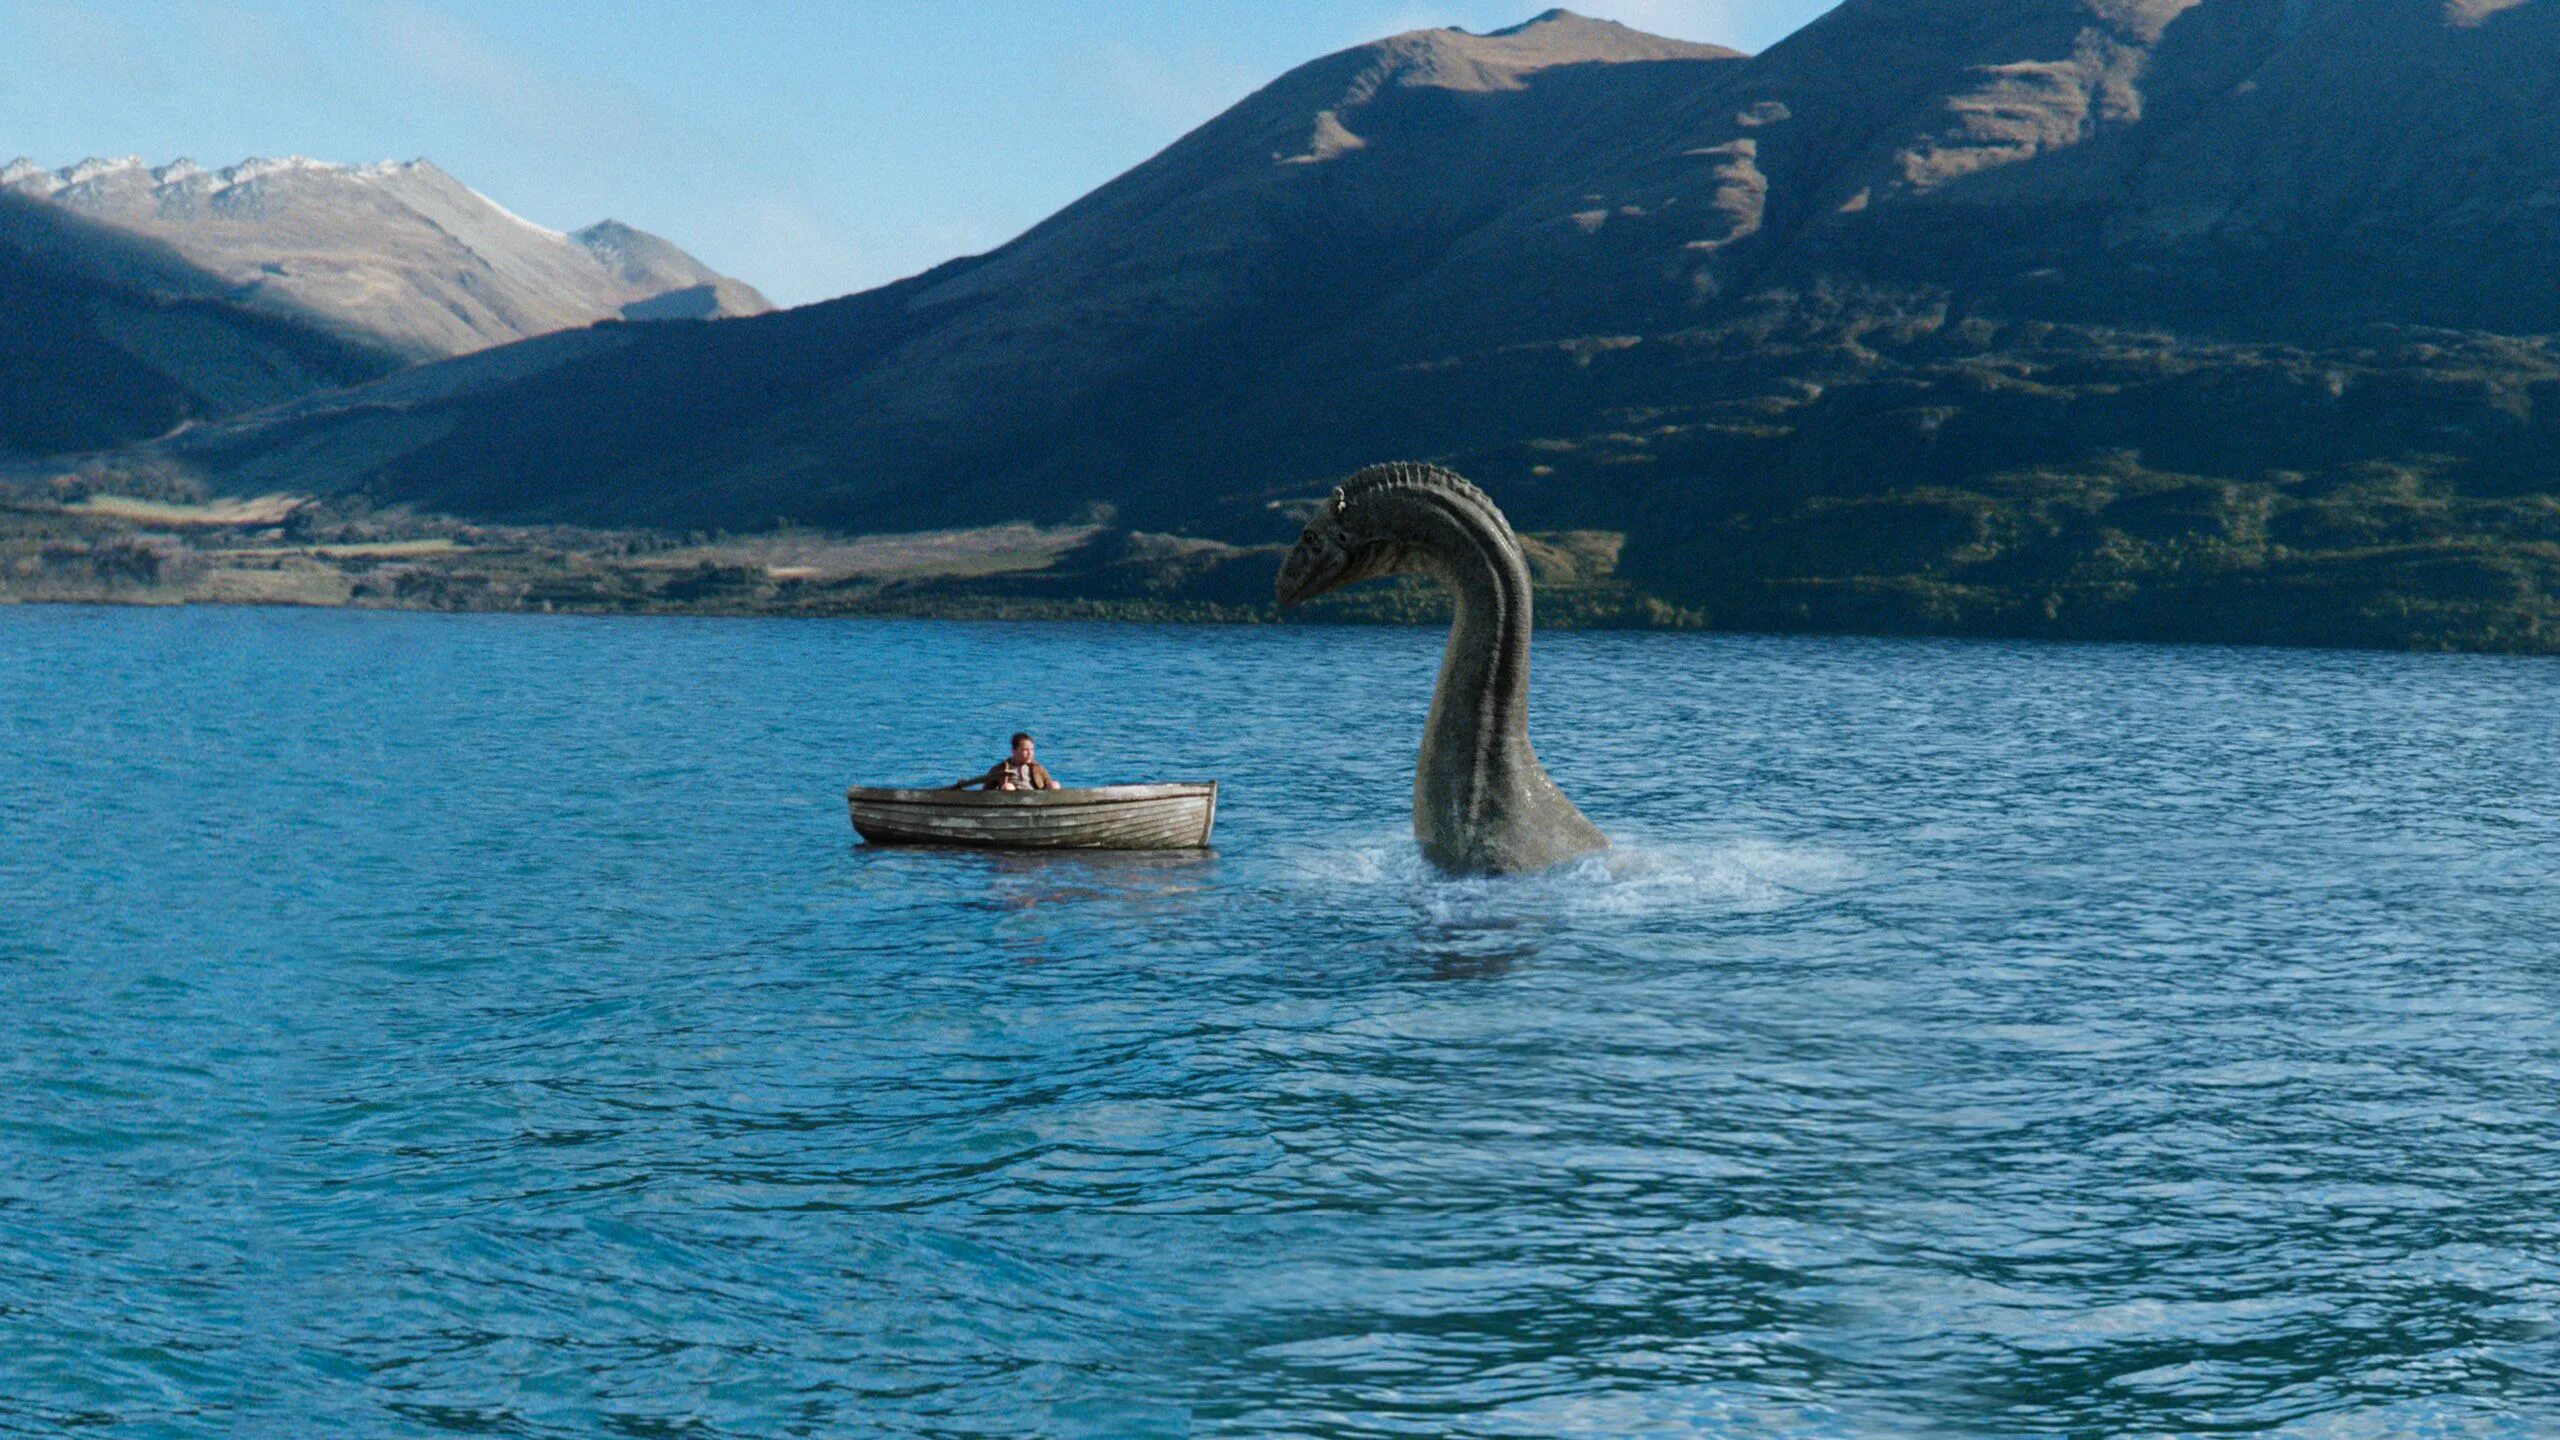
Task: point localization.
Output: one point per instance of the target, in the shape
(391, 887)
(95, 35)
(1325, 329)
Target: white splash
(1635, 878)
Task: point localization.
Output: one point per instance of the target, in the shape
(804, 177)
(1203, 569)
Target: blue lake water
(418, 1025)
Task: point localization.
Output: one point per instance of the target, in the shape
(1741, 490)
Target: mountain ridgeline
(400, 255)
(2178, 318)
(143, 296)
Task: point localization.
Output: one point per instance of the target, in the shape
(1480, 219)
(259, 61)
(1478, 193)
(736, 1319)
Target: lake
(418, 1025)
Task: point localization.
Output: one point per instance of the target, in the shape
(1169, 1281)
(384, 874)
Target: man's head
(1022, 744)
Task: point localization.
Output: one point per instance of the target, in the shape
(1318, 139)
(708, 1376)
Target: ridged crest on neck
(1395, 499)
(1382, 481)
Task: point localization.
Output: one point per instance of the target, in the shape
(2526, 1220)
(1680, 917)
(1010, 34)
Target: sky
(811, 149)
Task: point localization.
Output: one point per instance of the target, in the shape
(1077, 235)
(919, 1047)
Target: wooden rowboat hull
(1113, 817)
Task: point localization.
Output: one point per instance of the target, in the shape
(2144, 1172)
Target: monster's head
(1361, 531)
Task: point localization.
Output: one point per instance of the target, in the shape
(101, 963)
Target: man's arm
(1046, 780)
(987, 780)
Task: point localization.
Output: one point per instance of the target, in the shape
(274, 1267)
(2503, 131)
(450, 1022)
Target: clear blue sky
(812, 149)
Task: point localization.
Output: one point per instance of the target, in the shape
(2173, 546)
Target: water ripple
(421, 1025)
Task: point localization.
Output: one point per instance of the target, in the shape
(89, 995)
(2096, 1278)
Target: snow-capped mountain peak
(95, 168)
(26, 176)
(398, 250)
(259, 167)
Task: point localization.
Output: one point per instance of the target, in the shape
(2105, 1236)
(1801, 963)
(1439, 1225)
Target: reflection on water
(416, 1025)
(1021, 880)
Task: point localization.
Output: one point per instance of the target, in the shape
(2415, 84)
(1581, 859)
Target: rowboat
(1110, 817)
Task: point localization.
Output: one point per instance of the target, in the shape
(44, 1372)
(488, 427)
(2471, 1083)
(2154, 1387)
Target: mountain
(1050, 361)
(673, 285)
(398, 256)
(2144, 317)
(2274, 166)
(106, 338)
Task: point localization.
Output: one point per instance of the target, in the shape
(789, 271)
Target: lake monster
(1482, 804)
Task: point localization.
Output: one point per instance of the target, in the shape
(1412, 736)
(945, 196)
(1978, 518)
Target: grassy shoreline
(295, 550)
(2018, 572)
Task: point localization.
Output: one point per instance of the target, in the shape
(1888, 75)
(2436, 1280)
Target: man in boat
(1017, 771)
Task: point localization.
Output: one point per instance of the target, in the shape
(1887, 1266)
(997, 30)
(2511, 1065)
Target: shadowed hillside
(106, 338)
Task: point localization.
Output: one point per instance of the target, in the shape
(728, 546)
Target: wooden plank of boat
(1110, 817)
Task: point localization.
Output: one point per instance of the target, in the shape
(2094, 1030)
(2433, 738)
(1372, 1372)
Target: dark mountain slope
(2395, 163)
(2274, 166)
(105, 338)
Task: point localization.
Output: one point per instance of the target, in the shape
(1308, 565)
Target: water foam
(1639, 878)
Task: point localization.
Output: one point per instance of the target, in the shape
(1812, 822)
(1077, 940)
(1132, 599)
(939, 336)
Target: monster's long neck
(1476, 746)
